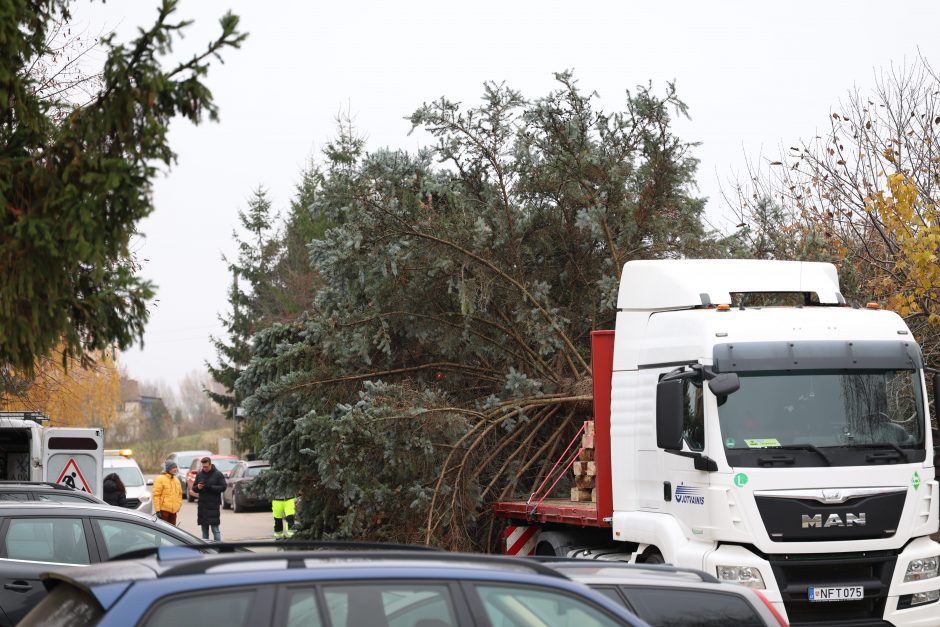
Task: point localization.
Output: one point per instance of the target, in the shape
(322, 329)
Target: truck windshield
(843, 410)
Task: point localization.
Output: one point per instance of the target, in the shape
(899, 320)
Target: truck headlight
(923, 568)
(742, 575)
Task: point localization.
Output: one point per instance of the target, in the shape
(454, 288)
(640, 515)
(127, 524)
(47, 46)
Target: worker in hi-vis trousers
(281, 509)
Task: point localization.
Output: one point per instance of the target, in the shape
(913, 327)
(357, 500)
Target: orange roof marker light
(724, 307)
(873, 306)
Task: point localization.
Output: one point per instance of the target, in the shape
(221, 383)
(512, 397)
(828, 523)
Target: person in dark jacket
(114, 491)
(209, 485)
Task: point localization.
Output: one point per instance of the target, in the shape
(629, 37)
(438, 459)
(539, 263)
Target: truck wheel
(544, 548)
(652, 556)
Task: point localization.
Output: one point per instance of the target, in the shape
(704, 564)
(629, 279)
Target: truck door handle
(18, 586)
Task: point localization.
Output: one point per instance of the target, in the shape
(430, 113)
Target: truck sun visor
(817, 355)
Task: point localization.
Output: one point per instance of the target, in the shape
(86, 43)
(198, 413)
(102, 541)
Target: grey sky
(754, 74)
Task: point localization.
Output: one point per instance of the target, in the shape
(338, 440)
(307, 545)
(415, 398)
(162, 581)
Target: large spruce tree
(446, 357)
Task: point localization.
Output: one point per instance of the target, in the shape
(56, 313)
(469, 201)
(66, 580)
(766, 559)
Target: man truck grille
(808, 520)
(796, 574)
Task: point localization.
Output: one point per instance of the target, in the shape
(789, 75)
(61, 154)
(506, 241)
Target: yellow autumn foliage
(70, 395)
(913, 224)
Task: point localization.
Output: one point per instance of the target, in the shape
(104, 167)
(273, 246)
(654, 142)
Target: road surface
(252, 525)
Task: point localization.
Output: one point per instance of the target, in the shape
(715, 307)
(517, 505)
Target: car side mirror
(149, 481)
(724, 384)
(669, 415)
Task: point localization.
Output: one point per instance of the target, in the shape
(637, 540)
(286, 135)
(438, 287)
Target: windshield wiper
(897, 449)
(805, 447)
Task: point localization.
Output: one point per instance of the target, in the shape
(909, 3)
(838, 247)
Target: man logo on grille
(834, 520)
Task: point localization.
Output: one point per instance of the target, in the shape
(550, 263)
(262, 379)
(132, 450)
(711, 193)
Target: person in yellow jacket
(167, 493)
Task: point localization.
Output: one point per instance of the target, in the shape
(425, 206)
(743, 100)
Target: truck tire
(651, 556)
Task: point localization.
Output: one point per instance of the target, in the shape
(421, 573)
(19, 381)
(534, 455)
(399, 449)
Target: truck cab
(31, 451)
(786, 448)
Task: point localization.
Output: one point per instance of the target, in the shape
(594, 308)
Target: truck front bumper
(787, 579)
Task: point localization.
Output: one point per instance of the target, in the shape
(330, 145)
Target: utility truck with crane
(785, 448)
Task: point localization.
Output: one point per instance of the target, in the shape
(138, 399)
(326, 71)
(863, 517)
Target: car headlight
(145, 498)
(742, 575)
(923, 568)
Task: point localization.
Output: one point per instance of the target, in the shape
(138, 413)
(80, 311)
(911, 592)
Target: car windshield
(224, 464)
(824, 408)
(130, 476)
(254, 471)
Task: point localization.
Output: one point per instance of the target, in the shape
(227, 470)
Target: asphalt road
(252, 525)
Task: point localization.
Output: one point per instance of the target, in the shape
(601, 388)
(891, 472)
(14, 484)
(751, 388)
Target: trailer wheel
(652, 556)
(545, 548)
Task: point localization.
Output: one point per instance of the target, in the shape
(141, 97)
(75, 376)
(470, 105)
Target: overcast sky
(754, 75)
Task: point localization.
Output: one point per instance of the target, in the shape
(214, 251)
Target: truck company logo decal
(916, 480)
(689, 494)
(834, 520)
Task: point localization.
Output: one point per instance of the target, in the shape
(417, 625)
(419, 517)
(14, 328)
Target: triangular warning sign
(73, 479)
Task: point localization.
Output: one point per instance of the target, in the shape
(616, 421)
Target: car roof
(200, 452)
(119, 461)
(8, 508)
(188, 569)
(597, 572)
(35, 485)
(256, 462)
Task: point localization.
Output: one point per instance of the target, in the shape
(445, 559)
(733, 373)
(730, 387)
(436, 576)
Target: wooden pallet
(585, 470)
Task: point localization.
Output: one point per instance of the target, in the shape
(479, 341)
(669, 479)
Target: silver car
(665, 596)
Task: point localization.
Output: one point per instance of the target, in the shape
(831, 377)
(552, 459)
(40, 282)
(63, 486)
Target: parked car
(37, 537)
(31, 491)
(238, 495)
(224, 463)
(394, 588)
(126, 467)
(184, 459)
(665, 596)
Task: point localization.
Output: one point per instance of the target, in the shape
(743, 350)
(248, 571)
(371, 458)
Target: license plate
(836, 593)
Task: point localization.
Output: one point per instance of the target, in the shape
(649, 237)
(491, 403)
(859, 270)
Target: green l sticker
(916, 480)
(740, 479)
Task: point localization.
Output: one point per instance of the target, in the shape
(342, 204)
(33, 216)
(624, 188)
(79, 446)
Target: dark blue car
(181, 587)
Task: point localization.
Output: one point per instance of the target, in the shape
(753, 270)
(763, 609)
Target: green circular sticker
(740, 479)
(730, 442)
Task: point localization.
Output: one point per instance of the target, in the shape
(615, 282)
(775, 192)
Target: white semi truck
(31, 451)
(785, 448)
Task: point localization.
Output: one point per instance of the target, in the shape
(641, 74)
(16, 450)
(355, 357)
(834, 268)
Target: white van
(30, 451)
(124, 466)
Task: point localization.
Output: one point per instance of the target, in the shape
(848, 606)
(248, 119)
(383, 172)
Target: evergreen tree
(457, 302)
(258, 251)
(75, 181)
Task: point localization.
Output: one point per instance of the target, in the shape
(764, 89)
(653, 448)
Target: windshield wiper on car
(805, 447)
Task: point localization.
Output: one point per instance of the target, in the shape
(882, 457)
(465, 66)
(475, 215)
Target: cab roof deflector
(651, 285)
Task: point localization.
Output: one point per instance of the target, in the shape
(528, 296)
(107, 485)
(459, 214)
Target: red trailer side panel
(602, 367)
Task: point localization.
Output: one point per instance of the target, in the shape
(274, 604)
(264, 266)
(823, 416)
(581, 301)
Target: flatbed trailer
(564, 511)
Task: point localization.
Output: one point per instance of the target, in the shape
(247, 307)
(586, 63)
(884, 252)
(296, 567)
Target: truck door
(74, 457)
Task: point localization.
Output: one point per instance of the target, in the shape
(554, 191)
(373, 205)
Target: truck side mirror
(724, 384)
(936, 394)
(669, 415)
